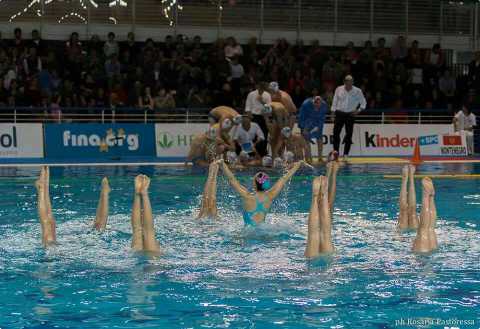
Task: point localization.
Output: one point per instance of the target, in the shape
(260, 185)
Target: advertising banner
(21, 140)
(174, 139)
(99, 141)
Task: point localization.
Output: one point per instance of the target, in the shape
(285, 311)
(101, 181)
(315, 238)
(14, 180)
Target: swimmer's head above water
(261, 182)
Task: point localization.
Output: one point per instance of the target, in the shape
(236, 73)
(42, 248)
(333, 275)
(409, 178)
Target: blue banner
(99, 141)
(428, 140)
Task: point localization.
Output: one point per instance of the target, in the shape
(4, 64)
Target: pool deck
(176, 162)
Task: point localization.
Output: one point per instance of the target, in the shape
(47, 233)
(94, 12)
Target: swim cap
(231, 157)
(263, 179)
(227, 124)
(287, 132)
(274, 86)
(288, 156)
(212, 133)
(237, 120)
(267, 161)
(267, 109)
(278, 162)
(333, 156)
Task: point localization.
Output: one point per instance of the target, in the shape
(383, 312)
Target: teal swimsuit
(260, 208)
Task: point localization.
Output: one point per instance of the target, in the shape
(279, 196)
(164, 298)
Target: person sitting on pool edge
(256, 205)
(205, 148)
(44, 205)
(143, 230)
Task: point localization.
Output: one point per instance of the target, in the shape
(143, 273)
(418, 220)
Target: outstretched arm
(277, 188)
(233, 180)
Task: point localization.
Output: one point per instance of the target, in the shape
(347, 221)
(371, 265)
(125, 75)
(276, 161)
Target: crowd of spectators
(185, 72)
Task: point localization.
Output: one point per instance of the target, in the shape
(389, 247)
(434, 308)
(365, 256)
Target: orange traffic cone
(416, 158)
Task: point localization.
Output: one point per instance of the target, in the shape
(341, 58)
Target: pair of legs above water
(143, 230)
(408, 218)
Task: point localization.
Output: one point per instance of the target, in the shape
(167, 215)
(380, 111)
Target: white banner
(173, 140)
(22, 140)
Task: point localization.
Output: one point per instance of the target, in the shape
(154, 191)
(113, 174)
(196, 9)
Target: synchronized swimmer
(256, 206)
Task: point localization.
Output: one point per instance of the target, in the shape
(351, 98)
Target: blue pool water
(218, 274)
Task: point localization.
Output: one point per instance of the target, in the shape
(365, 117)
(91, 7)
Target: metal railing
(373, 17)
(124, 115)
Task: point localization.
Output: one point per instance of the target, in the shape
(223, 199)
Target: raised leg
(150, 244)
(403, 215)
(208, 207)
(137, 225)
(102, 208)
(332, 183)
(422, 243)
(325, 231)
(412, 200)
(48, 237)
(313, 237)
(48, 202)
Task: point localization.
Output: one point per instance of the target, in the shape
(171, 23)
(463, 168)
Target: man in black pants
(347, 103)
(258, 105)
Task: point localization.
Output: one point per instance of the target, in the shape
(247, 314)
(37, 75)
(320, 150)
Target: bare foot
(145, 185)
(105, 185)
(138, 184)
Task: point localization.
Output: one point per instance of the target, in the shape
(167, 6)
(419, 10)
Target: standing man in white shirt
(258, 105)
(464, 122)
(348, 101)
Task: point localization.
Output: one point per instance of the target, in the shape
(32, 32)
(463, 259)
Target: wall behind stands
(171, 142)
(333, 22)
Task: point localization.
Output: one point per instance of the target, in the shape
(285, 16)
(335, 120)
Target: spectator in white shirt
(348, 101)
(464, 122)
(248, 137)
(258, 105)
(236, 74)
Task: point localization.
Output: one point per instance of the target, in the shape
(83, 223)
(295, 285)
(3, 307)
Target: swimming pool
(219, 274)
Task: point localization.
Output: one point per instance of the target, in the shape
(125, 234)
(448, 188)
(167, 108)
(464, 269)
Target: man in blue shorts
(312, 117)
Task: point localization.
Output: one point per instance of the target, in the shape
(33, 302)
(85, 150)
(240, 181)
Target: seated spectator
(399, 50)
(110, 47)
(225, 96)
(164, 99)
(297, 80)
(415, 54)
(146, 100)
(232, 48)
(474, 72)
(447, 86)
(32, 64)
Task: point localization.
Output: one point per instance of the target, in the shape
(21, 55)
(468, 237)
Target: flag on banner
(452, 140)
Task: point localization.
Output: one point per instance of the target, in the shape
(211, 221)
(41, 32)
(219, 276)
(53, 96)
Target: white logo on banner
(23, 140)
